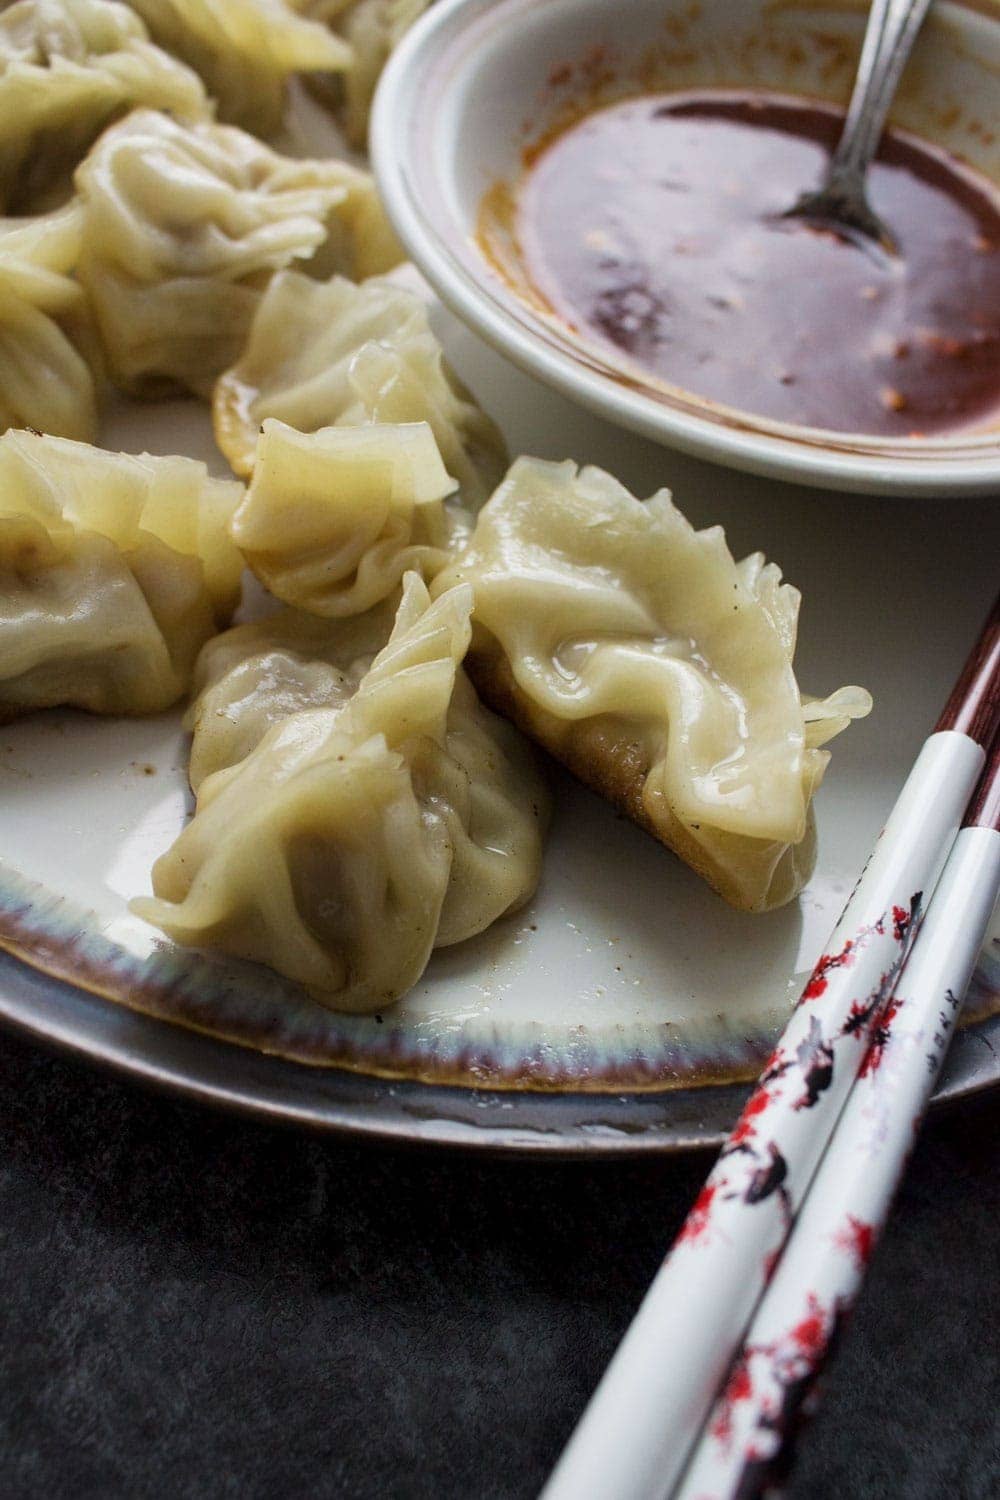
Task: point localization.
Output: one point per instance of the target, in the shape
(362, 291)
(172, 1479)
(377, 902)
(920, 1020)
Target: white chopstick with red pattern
(817, 1280)
(636, 1434)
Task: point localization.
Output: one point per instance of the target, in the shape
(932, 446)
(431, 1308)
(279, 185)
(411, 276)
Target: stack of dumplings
(336, 514)
(67, 69)
(246, 51)
(184, 225)
(335, 353)
(357, 803)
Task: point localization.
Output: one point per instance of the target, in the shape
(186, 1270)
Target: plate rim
(181, 1061)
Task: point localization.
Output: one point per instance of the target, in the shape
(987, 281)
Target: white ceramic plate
(477, 80)
(620, 1010)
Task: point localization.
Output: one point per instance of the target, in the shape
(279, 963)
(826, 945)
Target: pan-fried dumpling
(373, 28)
(245, 50)
(114, 571)
(354, 838)
(655, 667)
(46, 382)
(67, 68)
(308, 361)
(183, 228)
(333, 519)
(251, 677)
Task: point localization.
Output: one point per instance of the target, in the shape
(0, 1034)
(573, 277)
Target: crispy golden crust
(595, 752)
(612, 765)
(617, 770)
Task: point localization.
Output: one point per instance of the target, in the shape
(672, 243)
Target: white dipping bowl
(475, 81)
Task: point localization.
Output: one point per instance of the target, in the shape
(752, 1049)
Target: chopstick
(635, 1436)
(820, 1273)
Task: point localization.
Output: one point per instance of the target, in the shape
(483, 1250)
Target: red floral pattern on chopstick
(773, 1379)
(748, 1440)
(733, 1279)
(797, 1076)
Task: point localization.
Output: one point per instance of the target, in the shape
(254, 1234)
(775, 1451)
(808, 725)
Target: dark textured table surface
(196, 1305)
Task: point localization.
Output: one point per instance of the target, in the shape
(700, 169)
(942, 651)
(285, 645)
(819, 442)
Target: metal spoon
(841, 204)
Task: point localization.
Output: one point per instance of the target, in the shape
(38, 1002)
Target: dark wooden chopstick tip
(974, 705)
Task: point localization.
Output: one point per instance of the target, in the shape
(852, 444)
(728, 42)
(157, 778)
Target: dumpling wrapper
(332, 353)
(655, 667)
(46, 381)
(333, 519)
(355, 837)
(183, 228)
(245, 50)
(252, 676)
(67, 69)
(372, 29)
(114, 571)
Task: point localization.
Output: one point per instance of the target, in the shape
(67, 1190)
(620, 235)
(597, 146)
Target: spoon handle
(889, 36)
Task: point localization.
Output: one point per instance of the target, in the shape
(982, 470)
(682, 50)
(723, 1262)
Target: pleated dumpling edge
(658, 669)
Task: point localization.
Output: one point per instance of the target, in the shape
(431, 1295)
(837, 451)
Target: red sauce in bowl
(656, 226)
